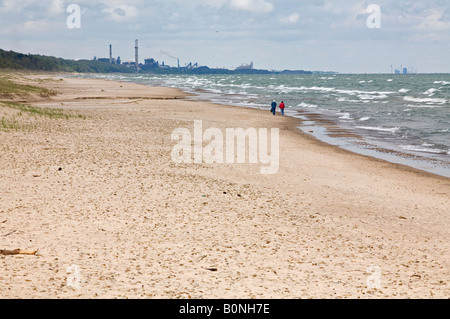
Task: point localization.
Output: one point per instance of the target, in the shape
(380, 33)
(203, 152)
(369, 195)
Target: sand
(112, 216)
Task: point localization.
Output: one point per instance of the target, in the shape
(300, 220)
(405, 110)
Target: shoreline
(398, 160)
(328, 130)
(100, 192)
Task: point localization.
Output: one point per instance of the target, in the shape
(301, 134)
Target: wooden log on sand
(17, 252)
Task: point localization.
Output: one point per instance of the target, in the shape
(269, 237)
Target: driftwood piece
(17, 252)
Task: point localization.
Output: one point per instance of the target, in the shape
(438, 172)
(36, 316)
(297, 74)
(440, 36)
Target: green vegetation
(8, 89)
(18, 61)
(9, 124)
(18, 116)
(41, 111)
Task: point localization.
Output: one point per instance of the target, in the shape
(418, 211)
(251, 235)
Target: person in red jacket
(282, 106)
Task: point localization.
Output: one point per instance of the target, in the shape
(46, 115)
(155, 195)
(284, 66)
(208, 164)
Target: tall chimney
(137, 56)
(110, 54)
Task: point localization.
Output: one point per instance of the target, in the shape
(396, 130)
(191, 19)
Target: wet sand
(98, 191)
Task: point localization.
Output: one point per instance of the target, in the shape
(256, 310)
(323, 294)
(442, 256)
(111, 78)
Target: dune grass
(11, 124)
(9, 89)
(20, 116)
(18, 120)
(41, 111)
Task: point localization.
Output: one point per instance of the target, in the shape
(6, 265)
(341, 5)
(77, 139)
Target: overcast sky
(274, 34)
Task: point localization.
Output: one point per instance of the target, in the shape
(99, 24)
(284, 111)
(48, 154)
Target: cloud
(56, 8)
(293, 18)
(229, 32)
(256, 6)
(121, 13)
(434, 22)
(36, 26)
(14, 5)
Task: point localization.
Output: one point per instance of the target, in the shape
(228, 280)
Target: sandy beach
(98, 196)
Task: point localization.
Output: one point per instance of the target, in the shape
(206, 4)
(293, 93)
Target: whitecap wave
(379, 129)
(307, 105)
(415, 148)
(425, 100)
(431, 92)
(442, 82)
(345, 116)
(428, 106)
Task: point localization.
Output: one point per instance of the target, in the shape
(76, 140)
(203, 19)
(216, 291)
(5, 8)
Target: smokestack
(137, 56)
(110, 54)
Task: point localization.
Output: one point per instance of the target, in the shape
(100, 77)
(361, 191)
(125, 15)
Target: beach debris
(211, 268)
(17, 252)
(10, 233)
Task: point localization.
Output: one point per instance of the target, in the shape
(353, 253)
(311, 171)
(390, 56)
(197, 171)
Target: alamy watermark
(374, 20)
(374, 280)
(229, 148)
(74, 19)
(74, 278)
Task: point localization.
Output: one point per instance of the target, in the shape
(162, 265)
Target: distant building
(245, 67)
(151, 62)
(401, 71)
(129, 64)
(109, 60)
(103, 60)
(164, 66)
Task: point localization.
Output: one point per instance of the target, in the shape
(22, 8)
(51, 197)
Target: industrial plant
(152, 66)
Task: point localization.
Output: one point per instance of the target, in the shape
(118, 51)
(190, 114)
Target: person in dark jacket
(274, 107)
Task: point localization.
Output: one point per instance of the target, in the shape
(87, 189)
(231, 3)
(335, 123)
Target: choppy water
(409, 114)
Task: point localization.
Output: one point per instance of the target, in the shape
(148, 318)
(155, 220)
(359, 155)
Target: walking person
(282, 106)
(274, 107)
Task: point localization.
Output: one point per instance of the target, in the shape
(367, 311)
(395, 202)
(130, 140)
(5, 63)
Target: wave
(343, 99)
(425, 100)
(345, 116)
(431, 92)
(415, 148)
(379, 129)
(442, 82)
(373, 97)
(307, 105)
(418, 106)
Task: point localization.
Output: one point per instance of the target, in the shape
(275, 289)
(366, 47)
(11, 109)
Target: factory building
(245, 67)
(109, 60)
